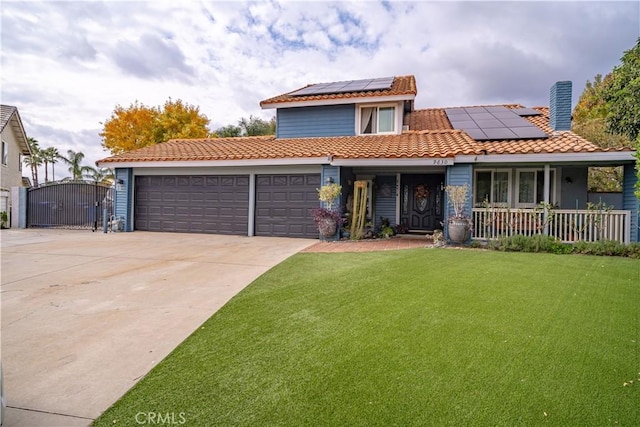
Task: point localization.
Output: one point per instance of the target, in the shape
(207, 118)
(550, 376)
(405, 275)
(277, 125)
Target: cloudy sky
(67, 64)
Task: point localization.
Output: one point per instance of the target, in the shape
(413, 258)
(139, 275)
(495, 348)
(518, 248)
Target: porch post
(547, 186)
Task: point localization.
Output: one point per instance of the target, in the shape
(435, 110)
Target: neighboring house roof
(403, 87)
(9, 116)
(430, 135)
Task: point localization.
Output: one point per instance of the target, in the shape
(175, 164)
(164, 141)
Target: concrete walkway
(86, 315)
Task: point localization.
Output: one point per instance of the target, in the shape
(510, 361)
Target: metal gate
(70, 204)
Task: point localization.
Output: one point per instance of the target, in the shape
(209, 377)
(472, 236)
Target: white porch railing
(565, 224)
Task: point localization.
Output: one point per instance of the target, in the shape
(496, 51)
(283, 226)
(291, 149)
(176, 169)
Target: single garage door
(192, 204)
(283, 203)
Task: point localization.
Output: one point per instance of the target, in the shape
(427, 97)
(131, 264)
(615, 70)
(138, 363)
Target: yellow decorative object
(359, 209)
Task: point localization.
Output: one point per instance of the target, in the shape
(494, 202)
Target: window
(492, 187)
(377, 120)
(20, 162)
(5, 153)
(530, 184)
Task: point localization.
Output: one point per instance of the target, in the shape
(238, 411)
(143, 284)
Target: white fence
(565, 224)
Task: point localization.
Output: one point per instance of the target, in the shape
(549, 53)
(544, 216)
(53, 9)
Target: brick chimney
(560, 106)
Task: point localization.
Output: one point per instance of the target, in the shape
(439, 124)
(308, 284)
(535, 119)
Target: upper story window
(377, 119)
(5, 153)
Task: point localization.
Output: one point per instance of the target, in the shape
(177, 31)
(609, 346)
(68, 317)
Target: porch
(567, 225)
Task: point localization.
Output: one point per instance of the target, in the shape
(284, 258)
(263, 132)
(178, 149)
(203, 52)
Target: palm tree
(99, 175)
(50, 156)
(34, 160)
(74, 160)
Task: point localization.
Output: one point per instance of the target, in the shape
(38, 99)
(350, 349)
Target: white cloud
(66, 65)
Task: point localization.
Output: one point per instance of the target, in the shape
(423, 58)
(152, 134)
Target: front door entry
(421, 201)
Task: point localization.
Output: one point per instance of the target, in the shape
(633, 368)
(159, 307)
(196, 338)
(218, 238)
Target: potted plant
(327, 218)
(459, 225)
(4, 219)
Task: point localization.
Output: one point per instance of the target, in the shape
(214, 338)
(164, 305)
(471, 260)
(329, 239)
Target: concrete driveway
(86, 315)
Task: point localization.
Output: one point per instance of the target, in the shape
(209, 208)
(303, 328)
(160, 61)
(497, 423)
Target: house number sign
(441, 162)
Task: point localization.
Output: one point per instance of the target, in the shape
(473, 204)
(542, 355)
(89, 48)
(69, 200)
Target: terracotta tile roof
(430, 135)
(427, 119)
(407, 145)
(402, 85)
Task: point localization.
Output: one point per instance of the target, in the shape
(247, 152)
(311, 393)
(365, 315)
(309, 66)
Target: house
(14, 148)
(511, 157)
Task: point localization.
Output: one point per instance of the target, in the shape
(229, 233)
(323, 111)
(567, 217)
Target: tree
(74, 160)
(255, 126)
(50, 156)
(140, 126)
(180, 121)
(99, 175)
(622, 95)
(228, 131)
(589, 121)
(34, 160)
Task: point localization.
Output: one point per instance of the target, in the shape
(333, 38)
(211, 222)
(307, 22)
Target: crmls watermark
(159, 418)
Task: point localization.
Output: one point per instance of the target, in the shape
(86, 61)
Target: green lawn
(415, 337)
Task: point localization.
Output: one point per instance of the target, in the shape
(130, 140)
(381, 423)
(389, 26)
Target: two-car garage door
(220, 204)
(192, 204)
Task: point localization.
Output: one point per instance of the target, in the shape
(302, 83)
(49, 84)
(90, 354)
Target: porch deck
(565, 224)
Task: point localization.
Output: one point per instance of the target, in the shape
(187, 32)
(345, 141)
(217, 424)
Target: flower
(321, 214)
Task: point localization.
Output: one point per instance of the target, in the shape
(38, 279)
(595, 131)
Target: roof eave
(588, 157)
(338, 101)
(213, 163)
(18, 129)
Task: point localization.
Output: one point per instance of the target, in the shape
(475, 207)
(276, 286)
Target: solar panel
(345, 87)
(526, 112)
(493, 123)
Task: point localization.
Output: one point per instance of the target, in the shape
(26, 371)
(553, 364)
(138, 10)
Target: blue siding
(332, 172)
(124, 197)
(458, 175)
(629, 199)
(385, 202)
(330, 120)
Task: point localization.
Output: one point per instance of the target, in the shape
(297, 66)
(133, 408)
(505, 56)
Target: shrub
(542, 243)
(602, 248)
(535, 243)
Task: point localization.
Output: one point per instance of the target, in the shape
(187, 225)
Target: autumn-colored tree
(140, 126)
(180, 121)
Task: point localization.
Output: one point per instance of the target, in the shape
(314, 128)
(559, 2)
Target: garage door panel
(283, 204)
(196, 204)
(313, 180)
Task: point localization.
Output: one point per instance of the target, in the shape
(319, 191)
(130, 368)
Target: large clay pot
(459, 230)
(327, 227)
